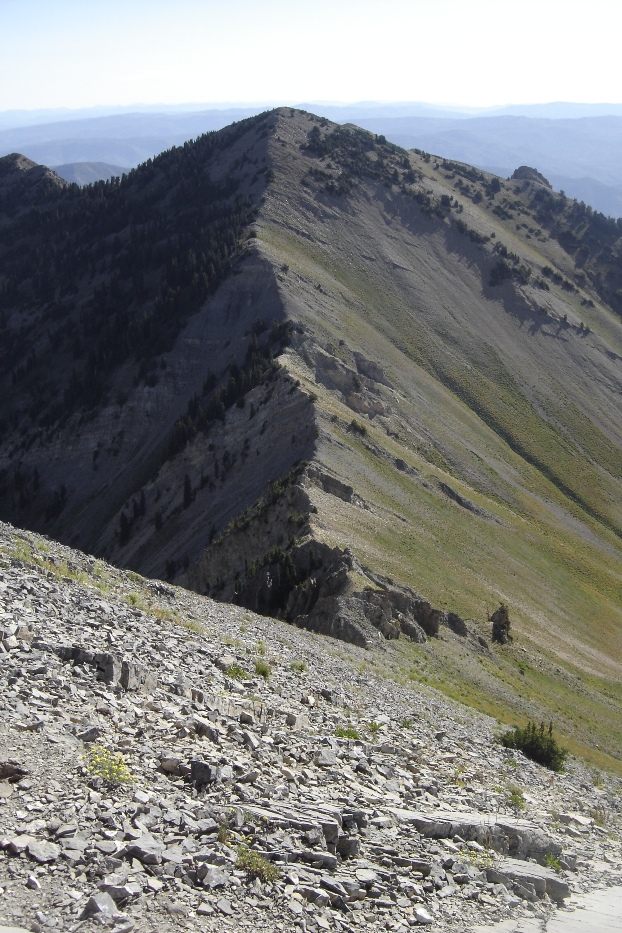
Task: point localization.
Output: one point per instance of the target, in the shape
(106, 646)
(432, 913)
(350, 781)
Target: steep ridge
(441, 431)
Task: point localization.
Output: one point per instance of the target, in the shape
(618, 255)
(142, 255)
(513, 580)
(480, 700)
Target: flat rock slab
(520, 838)
(304, 818)
(43, 852)
(599, 912)
(512, 925)
(544, 880)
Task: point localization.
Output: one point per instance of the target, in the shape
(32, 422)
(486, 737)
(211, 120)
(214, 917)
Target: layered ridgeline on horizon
(368, 390)
(578, 147)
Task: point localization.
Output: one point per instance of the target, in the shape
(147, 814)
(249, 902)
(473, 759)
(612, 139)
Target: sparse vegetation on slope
(446, 393)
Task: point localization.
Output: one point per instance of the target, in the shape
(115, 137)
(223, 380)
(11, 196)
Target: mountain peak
(525, 173)
(24, 182)
(293, 366)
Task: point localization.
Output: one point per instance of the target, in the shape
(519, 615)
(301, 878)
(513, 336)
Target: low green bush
(515, 797)
(237, 672)
(111, 768)
(552, 862)
(263, 669)
(256, 865)
(537, 743)
(348, 733)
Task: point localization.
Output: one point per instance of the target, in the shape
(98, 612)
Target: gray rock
(213, 877)
(314, 895)
(201, 772)
(108, 667)
(170, 763)
(223, 774)
(543, 880)
(296, 721)
(205, 728)
(100, 905)
(225, 906)
(325, 758)
(43, 852)
(366, 876)
(348, 846)
(135, 677)
(146, 849)
(120, 893)
(17, 844)
(90, 735)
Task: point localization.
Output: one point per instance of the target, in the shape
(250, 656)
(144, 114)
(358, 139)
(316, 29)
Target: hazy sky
(80, 53)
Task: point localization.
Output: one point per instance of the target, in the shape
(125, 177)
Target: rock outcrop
(501, 625)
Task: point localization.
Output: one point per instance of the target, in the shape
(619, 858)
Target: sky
(84, 53)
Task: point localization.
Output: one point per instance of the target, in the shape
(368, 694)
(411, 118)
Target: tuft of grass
(299, 666)
(262, 668)
(346, 733)
(256, 865)
(515, 797)
(236, 672)
(551, 861)
(224, 833)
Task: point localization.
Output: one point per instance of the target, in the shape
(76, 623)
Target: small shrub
(374, 728)
(346, 733)
(262, 668)
(236, 672)
(224, 833)
(110, 767)
(515, 797)
(500, 272)
(537, 743)
(358, 428)
(299, 666)
(552, 862)
(256, 865)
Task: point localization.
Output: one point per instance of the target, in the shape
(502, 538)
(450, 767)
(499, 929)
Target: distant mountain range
(578, 147)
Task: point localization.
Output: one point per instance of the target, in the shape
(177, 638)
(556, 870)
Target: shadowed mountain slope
(370, 391)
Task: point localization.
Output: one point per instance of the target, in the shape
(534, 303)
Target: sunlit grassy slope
(500, 393)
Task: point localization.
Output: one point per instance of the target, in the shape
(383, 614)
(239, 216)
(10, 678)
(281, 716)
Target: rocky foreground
(170, 763)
